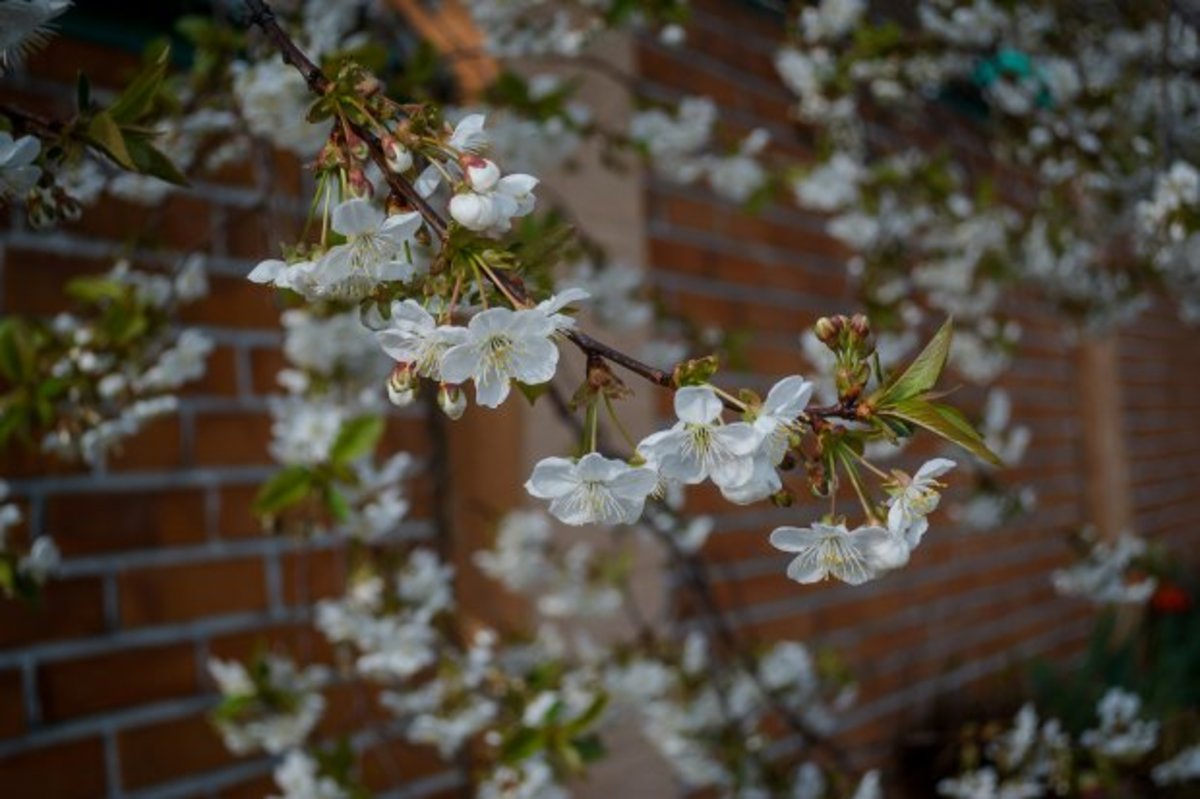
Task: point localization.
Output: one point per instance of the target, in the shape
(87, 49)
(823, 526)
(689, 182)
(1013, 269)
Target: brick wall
(103, 689)
(971, 605)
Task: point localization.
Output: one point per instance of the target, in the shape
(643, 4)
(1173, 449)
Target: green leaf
(138, 97)
(289, 486)
(92, 290)
(589, 716)
(151, 161)
(339, 506)
(923, 373)
(946, 422)
(17, 351)
(357, 437)
(104, 132)
(524, 743)
(590, 748)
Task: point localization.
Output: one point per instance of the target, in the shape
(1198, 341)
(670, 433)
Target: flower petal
(794, 539)
(697, 404)
(552, 477)
(788, 397)
(460, 363)
(355, 217)
(535, 361)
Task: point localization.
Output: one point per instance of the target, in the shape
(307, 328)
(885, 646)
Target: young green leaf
(138, 97)
(289, 486)
(151, 161)
(357, 437)
(946, 422)
(104, 132)
(923, 373)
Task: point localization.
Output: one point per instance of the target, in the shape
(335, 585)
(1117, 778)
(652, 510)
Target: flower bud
(473, 211)
(357, 148)
(452, 401)
(482, 173)
(402, 385)
(360, 187)
(860, 326)
(399, 157)
(828, 329)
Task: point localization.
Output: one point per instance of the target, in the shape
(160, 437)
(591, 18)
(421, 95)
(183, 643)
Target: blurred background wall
(103, 690)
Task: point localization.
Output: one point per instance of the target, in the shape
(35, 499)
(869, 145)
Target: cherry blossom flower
(492, 210)
(18, 173)
(468, 135)
(786, 400)
(699, 446)
(22, 26)
(1121, 733)
(551, 306)
(274, 101)
(299, 777)
(915, 498)
(414, 337)
(502, 345)
(853, 556)
(592, 490)
(378, 248)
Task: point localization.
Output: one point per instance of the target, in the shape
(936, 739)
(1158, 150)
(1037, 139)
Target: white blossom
(298, 777)
(1121, 733)
(914, 498)
(1101, 575)
(22, 28)
(491, 210)
(592, 490)
(378, 248)
(1183, 767)
(274, 100)
(502, 345)
(18, 172)
(414, 337)
(700, 446)
(825, 550)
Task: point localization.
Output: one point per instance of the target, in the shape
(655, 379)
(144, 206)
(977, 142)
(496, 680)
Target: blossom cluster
(113, 366)
(1106, 573)
(22, 573)
(1034, 758)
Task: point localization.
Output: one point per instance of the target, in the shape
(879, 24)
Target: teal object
(1015, 65)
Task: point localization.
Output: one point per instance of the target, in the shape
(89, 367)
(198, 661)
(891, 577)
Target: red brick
(264, 366)
(191, 591)
(34, 281)
(90, 523)
(161, 752)
(116, 680)
(72, 608)
(12, 704)
(229, 439)
(300, 641)
(158, 446)
(73, 770)
(236, 518)
(234, 302)
(62, 57)
(220, 378)
(255, 788)
(180, 222)
(313, 575)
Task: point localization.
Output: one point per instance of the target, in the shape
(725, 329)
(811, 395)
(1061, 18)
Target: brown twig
(262, 17)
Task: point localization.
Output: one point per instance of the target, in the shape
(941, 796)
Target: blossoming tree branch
(428, 272)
